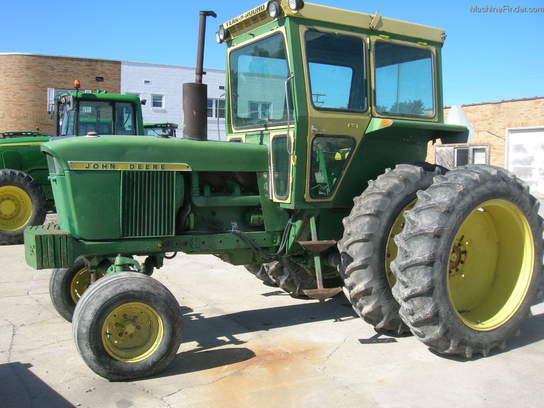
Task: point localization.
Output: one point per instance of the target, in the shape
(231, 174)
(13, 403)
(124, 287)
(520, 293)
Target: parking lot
(248, 345)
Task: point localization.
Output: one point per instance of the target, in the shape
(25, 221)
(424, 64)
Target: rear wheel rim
(15, 208)
(132, 332)
(490, 265)
(391, 249)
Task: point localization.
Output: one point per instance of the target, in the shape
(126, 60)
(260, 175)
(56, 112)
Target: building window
(216, 108)
(259, 110)
(455, 156)
(471, 155)
(157, 101)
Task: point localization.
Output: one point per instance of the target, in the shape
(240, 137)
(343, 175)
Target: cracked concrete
(247, 345)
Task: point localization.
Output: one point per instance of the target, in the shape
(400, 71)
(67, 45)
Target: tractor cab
(323, 86)
(98, 113)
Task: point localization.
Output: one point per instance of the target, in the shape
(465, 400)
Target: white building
(161, 86)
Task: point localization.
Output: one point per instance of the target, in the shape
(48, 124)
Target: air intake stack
(195, 94)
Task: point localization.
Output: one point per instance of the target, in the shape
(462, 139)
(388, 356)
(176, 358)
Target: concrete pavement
(249, 345)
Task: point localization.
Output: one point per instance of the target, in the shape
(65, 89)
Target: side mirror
(143, 101)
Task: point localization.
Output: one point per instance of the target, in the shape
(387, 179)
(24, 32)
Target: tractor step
(322, 293)
(316, 247)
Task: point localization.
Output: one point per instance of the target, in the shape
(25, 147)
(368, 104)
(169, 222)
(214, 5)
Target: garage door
(526, 157)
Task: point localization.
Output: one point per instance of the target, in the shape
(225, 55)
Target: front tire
(469, 262)
(127, 326)
(67, 285)
(22, 203)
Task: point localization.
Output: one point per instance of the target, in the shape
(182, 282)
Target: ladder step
(317, 247)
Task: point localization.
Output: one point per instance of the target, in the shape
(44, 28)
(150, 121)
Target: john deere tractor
(25, 191)
(165, 129)
(321, 184)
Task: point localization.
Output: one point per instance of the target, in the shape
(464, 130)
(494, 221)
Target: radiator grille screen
(147, 203)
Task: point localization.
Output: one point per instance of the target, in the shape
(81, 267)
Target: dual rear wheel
(467, 261)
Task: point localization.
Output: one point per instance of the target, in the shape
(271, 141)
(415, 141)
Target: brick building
(508, 134)
(25, 80)
(29, 83)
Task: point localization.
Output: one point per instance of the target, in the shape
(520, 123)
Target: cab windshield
(101, 117)
(258, 75)
(160, 131)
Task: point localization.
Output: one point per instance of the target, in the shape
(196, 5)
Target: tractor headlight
(274, 9)
(296, 5)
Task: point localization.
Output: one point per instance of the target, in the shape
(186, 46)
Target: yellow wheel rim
(81, 282)
(490, 265)
(132, 332)
(15, 208)
(391, 249)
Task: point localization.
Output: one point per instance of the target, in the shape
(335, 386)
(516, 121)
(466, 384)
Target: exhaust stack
(195, 94)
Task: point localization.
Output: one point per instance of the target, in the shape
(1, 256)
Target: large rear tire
(470, 260)
(367, 247)
(260, 271)
(127, 326)
(285, 274)
(22, 203)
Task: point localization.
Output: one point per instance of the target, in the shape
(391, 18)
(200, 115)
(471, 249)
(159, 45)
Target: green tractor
(322, 184)
(25, 190)
(165, 129)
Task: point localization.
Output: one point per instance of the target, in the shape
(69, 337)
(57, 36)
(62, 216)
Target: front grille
(148, 203)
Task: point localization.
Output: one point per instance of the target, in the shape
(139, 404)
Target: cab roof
(100, 95)
(381, 25)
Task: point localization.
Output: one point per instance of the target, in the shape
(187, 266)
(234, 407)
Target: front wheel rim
(15, 208)
(490, 265)
(132, 332)
(81, 282)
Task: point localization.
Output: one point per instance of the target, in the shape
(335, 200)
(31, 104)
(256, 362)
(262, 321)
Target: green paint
(221, 202)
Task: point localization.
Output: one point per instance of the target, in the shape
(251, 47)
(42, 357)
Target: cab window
(95, 117)
(259, 72)
(124, 119)
(337, 71)
(404, 80)
(330, 154)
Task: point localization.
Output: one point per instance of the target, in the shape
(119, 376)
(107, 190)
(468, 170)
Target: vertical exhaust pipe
(195, 94)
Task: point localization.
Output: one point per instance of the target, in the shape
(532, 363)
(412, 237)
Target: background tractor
(161, 129)
(322, 182)
(25, 190)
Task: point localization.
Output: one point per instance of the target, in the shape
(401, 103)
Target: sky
(486, 56)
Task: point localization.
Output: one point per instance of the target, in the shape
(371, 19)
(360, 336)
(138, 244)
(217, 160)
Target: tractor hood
(24, 141)
(197, 155)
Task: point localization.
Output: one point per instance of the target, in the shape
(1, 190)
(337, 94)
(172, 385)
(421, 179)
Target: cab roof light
(274, 9)
(296, 5)
(222, 35)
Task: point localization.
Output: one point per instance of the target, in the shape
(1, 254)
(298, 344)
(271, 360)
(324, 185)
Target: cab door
(336, 69)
